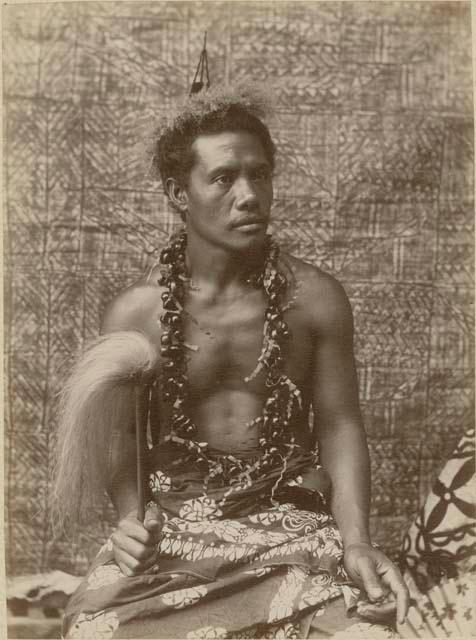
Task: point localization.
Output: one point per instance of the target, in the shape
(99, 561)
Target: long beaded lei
(276, 441)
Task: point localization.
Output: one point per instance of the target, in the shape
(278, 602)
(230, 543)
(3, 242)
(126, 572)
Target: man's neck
(217, 271)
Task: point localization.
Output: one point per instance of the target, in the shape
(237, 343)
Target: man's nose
(245, 194)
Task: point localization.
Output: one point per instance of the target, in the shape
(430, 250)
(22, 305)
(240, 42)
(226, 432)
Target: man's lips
(248, 222)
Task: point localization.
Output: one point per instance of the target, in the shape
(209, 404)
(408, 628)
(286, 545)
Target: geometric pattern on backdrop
(374, 183)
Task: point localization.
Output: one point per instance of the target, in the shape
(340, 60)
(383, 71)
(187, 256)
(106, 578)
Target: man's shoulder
(135, 308)
(319, 292)
(314, 280)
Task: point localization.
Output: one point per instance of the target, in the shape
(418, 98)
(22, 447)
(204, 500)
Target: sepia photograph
(238, 319)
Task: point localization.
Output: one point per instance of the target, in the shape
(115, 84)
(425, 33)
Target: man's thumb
(153, 519)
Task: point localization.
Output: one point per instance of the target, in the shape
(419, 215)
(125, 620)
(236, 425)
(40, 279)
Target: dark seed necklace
(276, 440)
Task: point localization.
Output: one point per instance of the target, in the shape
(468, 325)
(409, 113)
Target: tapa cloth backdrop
(375, 184)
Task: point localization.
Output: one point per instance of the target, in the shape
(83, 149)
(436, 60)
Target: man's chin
(249, 236)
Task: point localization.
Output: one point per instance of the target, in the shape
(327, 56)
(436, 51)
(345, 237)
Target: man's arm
(343, 446)
(339, 429)
(127, 312)
(135, 542)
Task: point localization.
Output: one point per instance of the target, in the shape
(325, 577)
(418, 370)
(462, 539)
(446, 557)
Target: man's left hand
(371, 570)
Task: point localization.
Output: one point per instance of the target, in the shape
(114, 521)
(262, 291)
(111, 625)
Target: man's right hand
(135, 543)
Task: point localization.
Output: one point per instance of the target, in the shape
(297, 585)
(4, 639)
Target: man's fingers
(377, 612)
(131, 566)
(136, 549)
(403, 604)
(132, 528)
(153, 569)
(378, 576)
(127, 563)
(153, 521)
(148, 564)
(394, 580)
(370, 579)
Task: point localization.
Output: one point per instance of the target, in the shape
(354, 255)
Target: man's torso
(223, 338)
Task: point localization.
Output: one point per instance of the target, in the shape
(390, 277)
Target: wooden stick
(141, 425)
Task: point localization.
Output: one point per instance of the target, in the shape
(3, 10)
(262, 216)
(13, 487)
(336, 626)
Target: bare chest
(224, 342)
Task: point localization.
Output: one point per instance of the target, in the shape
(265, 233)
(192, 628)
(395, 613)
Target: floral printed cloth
(259, 558)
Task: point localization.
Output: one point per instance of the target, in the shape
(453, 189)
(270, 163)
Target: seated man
(245, 534)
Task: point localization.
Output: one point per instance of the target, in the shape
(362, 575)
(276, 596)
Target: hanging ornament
(284, 398)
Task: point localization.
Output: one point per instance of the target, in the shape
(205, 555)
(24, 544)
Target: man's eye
(223, 179)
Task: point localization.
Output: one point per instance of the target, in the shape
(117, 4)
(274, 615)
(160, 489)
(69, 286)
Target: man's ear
(177, 194)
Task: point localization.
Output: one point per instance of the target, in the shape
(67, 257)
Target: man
(238, 540)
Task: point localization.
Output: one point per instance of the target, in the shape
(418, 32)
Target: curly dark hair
(240, 108)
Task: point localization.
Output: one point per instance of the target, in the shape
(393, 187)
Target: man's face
(229, 191)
